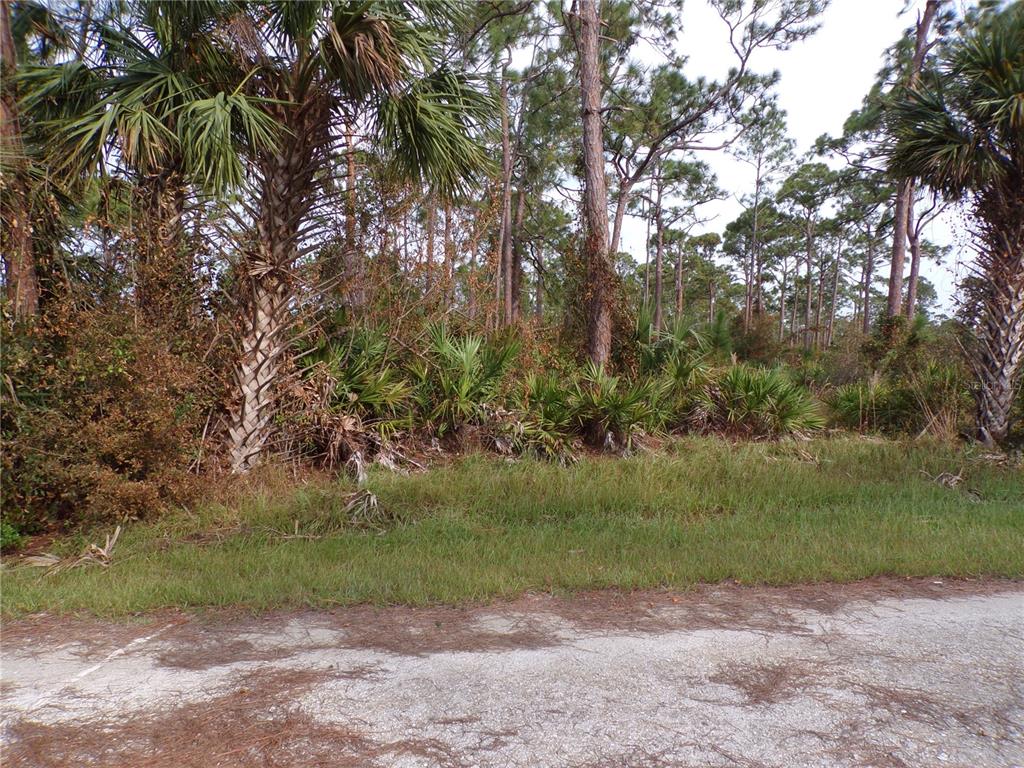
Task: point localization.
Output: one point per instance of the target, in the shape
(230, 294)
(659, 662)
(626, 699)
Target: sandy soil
(880, 673)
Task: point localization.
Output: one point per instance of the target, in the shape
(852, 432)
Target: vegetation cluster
(332, 234)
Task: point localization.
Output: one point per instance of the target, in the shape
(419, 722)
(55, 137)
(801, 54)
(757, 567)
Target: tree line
(247, 180)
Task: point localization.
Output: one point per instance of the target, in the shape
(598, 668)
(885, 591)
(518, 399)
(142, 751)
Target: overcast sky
(823, 79)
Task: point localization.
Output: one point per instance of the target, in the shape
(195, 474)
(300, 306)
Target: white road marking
(60, 687)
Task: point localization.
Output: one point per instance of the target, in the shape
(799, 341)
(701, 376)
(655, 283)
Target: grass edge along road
(704, 510)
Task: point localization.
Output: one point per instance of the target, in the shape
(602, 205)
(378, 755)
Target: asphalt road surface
(880, 673)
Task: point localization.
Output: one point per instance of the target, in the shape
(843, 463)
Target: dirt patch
(742, 607)
(215, 650)
(433, 629)
(423, 631)
(252, 722)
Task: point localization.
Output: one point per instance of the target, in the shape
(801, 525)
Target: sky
(823, 79)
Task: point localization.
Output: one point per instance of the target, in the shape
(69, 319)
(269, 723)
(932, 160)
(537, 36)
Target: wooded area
(331, 233)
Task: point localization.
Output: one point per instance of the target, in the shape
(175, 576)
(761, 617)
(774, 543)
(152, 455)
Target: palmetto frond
(209, 131)
(430, 131)
(960, 129)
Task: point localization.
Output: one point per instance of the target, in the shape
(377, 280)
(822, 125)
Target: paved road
(882, 673)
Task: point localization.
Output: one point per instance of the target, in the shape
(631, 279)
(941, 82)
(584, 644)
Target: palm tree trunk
(266, 283)
(262, 346)
(19, 259)
(163, 289)
(998, 354)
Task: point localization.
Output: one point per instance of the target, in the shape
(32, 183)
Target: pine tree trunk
(835, 297)
(915, 264)
(782, 306)
(809, 291)
(869, 268)
(449, 257)
(904, 199)
(818, 330)
(647, 256)
(748, 290)
(679, 283)
(504, 281)
(905, 189)
(599, 272)
(621, 203)
(755, 244)
(792, 312)
(517, 256)
(428, 256)
(659, 264)
(538, 303)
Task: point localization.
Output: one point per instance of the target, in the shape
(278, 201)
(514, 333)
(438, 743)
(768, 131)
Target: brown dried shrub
(102, 417)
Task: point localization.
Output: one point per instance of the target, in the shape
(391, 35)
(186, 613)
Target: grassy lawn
(704, 511)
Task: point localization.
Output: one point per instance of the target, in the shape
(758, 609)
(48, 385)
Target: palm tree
(160, 101)
(319, 67)
(962, 133)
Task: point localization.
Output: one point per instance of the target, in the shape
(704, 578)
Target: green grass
(481, 528)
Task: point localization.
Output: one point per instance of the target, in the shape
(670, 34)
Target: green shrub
(867, 406)
(934, 398)
(362, 378)
(543, 421)
(609, 411)
(756, 402)
(10, 538)
(460, 378)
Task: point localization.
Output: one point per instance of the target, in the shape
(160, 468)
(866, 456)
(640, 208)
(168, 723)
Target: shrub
(933, 399)
(460, 378)
(102, 417)
(609, 411)
(543, 420)
(10, 538)
(943, 398)
(353, 396)
(756, 402)
(866, 406)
